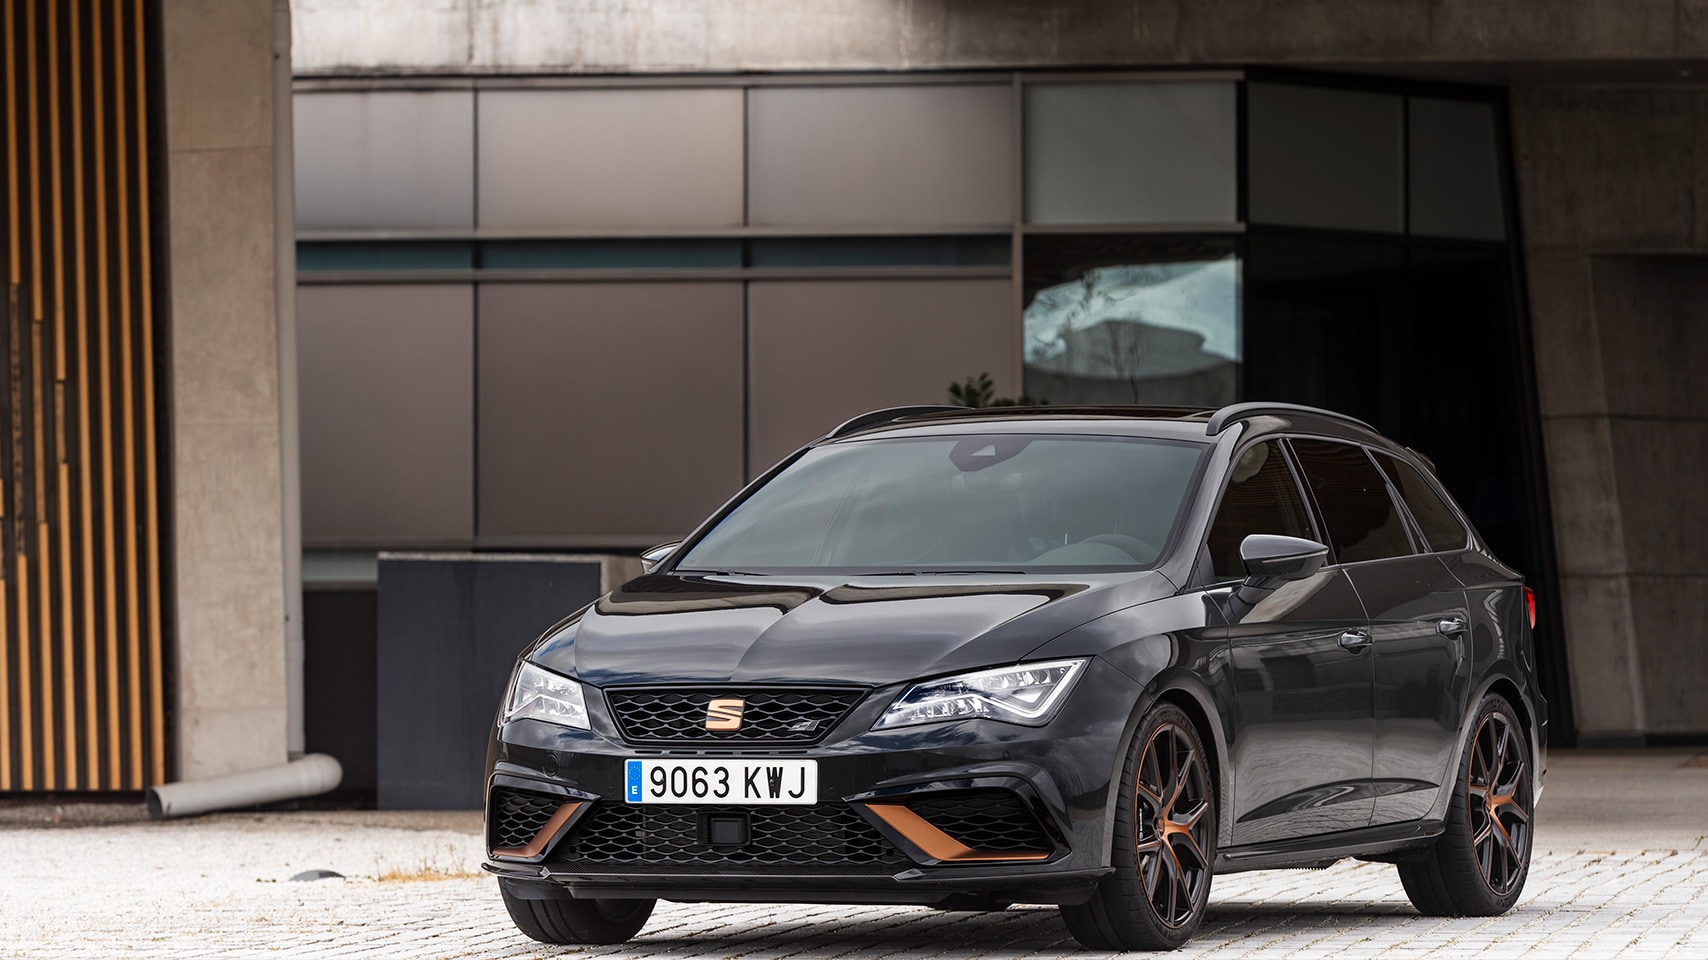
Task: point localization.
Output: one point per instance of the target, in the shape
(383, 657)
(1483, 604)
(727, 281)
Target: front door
(1303, 712)
(1300, 741)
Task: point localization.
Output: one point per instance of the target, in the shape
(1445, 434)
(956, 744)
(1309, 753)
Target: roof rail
(1242, 411)
(886, 415)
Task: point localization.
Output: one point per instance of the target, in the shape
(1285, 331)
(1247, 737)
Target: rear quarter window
(1439, 523)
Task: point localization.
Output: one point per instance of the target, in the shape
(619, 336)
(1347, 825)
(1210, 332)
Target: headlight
(1026, 694)
(537, 694)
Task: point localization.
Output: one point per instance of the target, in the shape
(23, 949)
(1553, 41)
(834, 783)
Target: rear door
(1299, 748)
(1422, 624)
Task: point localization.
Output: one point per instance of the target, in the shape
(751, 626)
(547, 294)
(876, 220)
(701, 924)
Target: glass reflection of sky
(1198, 298)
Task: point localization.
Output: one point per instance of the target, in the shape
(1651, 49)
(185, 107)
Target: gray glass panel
(1321, 157)
(1131, 153)
(880, 155)
(387, 158)
(384, 255)
(609, 254)
(387, 392)
(823, 351)
(881, 251)
(1455, 170)
(1122, 319)
(619, 159)
(610, 413)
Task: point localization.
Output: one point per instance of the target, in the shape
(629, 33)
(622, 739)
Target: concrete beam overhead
(666, 36)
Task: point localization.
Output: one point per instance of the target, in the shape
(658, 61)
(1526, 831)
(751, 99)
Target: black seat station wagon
(1082, 656)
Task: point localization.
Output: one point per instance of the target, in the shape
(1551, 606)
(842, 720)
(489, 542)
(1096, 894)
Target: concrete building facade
(1592, 281)
(1602, 100)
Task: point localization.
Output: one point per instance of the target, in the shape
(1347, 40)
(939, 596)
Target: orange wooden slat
(156, 642)
(103, 376)
(85, 507)
(11, 151)
(133, 625)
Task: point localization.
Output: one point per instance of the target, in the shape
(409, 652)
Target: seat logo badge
(724, 713)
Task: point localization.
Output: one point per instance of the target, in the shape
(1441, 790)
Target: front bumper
(896, 820)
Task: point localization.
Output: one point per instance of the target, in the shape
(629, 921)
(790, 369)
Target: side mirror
(1272, 559)
(657, 555)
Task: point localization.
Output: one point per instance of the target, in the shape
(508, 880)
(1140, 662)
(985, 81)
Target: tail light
(1530, 605)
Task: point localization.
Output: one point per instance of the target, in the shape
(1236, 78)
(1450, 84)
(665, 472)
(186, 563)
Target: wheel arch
(1181, 690)
(1498, 681)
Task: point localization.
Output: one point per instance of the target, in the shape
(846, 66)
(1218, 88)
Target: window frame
(1435, 486)
(1406, 522)
(1204, 560)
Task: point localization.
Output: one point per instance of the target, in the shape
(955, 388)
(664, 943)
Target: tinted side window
(1441, 527)
(1262, 497)
(1362, 522)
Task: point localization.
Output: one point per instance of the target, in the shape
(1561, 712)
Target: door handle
(1451, 625)
(1354, 641)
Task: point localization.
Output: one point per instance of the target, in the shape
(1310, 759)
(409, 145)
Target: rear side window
(1262, 497)
(1352, 497)
(1440, 525)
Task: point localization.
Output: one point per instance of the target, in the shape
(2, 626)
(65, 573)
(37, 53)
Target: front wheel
(1477, 867)
(555, 917)
(1165, 844)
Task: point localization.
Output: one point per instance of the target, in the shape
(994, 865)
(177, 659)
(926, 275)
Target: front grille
(677, 716)
(517, 816)
(824, 834)
(984, 820)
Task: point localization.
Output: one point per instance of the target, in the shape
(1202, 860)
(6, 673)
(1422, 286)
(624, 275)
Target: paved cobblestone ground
(1602, 885)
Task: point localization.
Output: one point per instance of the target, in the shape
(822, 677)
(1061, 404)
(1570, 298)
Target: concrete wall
(599, 36)
(1613, 187)
(230, 653)
(1614, 193)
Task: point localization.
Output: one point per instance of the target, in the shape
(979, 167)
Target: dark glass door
(1421, 339)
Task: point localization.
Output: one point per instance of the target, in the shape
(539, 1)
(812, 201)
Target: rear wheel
(1165, 844)
(1478, 866)
(553, 917)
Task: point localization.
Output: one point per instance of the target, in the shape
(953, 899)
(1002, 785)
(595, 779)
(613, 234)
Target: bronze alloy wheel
(1170, 800)
(1165, 843)
(1497, 791)
(1477, 866)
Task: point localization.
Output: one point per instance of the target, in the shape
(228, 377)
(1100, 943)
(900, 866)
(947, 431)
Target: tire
(1478, 866)
(1165, 844)
(568, 920)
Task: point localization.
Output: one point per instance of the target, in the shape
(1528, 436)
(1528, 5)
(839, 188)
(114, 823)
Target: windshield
(967, 503)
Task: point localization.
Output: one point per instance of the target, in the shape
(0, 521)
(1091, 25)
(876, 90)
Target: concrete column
(1613, 197)
(230, 649)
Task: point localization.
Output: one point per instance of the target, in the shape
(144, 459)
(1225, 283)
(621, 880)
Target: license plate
(721, 781)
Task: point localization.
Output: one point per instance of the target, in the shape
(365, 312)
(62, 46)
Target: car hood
(680, 628)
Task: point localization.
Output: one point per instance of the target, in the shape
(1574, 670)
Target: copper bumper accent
(935, 843)
(542, 839)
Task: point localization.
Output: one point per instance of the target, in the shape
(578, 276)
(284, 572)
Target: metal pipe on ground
(305, 777)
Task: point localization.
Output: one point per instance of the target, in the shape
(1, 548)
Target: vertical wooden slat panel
(82, 648)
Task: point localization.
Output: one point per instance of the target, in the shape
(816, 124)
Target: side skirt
(1368, 843)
